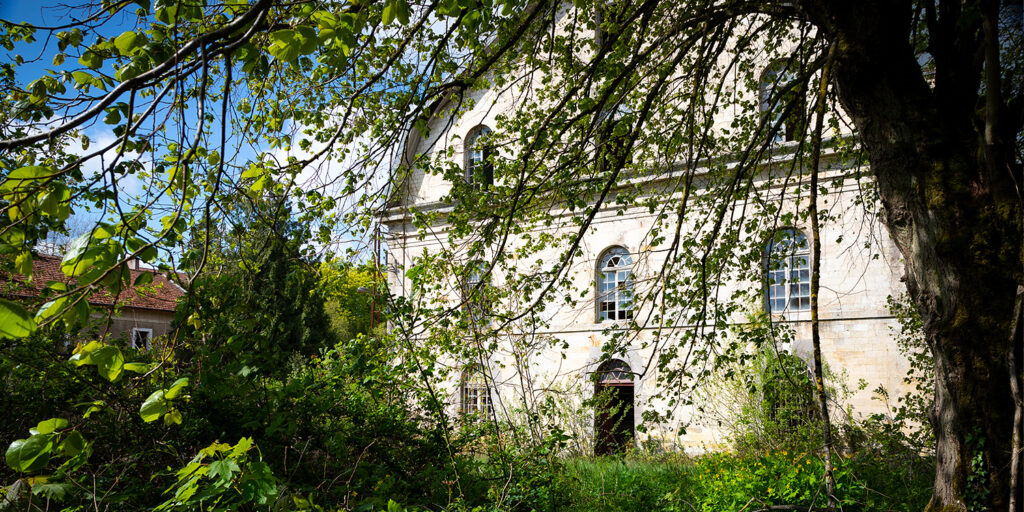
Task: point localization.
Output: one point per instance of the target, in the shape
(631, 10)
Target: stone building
(139, 315)
(860, 269)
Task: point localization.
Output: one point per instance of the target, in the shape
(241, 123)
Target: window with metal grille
(615, 285)
(788, 272)
(476, 394)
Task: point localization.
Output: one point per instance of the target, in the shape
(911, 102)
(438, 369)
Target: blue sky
(52, 13)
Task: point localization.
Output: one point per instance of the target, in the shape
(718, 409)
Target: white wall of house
(860, 268)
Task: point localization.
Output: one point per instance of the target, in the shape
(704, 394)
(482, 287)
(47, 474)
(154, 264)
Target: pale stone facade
(860, 269)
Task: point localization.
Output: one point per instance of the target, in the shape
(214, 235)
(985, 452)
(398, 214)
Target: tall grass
(723, 482)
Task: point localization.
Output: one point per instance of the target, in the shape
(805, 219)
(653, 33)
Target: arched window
(479, 161)
(615, 285)
(475, 393)
(474, 291)
(788, 272)
(782, 100)
(614, 372)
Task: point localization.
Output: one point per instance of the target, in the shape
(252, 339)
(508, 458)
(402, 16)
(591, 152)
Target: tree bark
(819, 375)
(951, 212)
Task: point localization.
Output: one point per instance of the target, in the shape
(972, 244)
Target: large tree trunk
(953, 214)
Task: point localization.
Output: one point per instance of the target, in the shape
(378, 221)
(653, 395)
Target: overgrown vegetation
(226, 140)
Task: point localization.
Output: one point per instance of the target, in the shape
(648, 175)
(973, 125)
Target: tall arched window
(615, 285)
(788, 272)
(782, 100)
(475, 394)
(474, 291)
(479, 161)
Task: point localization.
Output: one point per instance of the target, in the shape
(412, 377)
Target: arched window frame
(778, 106)
(614, 372)
(475, 392)
(787, 275)
(614, 284)
(479, 164)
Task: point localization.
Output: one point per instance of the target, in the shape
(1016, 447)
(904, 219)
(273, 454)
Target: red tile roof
(162, 294)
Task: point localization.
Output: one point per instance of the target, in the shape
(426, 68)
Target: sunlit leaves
(159, 403)
(108, 359)
(15, 322)
(28, 455)
(154, 406)
(289, 44)
(395, 10)
(48, 426)
(49, 438)
(91, 59)
(225, 474)
(128, 42)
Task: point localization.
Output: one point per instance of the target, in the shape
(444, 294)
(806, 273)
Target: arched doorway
(613, 414)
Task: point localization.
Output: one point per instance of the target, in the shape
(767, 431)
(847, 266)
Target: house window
(141, 338)
(615, 285)
(479, 157)
(474, 291)
(788, 272)
(782, 101)
(476, 394)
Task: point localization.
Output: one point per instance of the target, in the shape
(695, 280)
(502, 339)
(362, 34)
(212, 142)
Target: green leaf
(77, 248)
(15, 322)
(53, 491)
(306, 38)
(51, 309)
(252, 172)
(104, 231)
(402, 11)
(261, 183)
(91, 59)
(83, 353)
(154, 407)
(23, 263)
(24, 177)
(149, 254)
(55, 202)
(113, 116)
(136, 367)
(144, 279)
(172, 418)
(176, 388)
(82, 78)
(283, 45)
(72, 445)
(94, 406)
(49, 426)
(127, 42)
(244, 445)
(27, 455)
(222, 471)
(109, 362)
